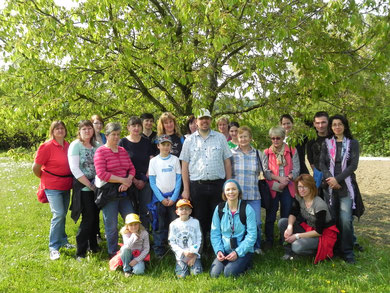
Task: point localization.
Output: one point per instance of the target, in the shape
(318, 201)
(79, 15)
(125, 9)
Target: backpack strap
(242, 211)
(220, 210)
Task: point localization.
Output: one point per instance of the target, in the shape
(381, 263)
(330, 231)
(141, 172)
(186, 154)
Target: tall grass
(25, 264)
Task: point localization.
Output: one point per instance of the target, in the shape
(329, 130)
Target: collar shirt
(246, 170)
(206, 156)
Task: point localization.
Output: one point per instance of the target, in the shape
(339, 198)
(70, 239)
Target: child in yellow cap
(135, 245)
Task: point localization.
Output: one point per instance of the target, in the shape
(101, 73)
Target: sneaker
(287, 257)
(54, 254)
(259, 251)
(127, 274)
(358, 247)
(80, 258)
(69, 246)
(350, 260)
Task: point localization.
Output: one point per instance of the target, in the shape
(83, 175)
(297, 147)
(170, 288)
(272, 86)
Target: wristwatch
(297, 236)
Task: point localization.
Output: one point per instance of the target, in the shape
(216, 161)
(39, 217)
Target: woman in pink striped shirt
(114, 175)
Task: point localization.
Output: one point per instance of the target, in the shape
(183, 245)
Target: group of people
(157, 180)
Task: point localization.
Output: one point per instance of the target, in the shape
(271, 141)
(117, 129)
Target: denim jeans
(183, 270)
(256, 205)
(165, 216)
(270, 216)
(231, 268)
(302, 246)
(59, 203)
(127, 257)
(110, 218)
(345, 225)
(86, 234)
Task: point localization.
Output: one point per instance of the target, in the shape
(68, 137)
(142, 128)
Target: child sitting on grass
(135, 245)
(185, 239)
(165, 181)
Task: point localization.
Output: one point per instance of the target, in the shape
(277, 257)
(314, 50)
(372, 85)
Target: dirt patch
(373, 180)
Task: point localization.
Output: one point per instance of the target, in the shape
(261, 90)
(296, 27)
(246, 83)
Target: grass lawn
(25, 264)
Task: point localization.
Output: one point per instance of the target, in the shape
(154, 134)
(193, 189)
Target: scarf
(280, 159)
(332, 150)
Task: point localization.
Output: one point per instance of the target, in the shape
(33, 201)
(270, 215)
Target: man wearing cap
(206, 164)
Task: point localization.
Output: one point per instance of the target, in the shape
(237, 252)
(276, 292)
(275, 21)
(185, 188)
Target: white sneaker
(259, 251)
(54, 254)
(69, 246)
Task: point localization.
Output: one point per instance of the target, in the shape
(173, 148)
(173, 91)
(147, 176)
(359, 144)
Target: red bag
(41, 194)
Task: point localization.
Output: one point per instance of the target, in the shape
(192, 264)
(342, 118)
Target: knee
(231, 271)
(297, 247)
(139, 269)
(282, 224)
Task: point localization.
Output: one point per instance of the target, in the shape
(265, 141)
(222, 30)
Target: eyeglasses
(276, 138)
(302, 187)
(98, 123)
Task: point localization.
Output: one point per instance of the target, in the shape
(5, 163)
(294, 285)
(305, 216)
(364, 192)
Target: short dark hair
(83, 123)
(146, 116)
(189, 120)
(321, 114)
(133, 120)
(234, 123)
(287, 116)
(347, 130)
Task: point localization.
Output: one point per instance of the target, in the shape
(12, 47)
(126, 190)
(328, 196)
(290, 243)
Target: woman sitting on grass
(309, 227)
(135, 245)
(232, 240)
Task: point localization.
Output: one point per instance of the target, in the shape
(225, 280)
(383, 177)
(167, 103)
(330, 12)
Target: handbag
(265, 193)
(41, 195)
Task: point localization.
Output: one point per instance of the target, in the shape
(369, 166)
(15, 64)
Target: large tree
(231, 56)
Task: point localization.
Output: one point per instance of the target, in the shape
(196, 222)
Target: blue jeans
(182, 269)
(256, 205)
(270, 216)
(345, 225)
(59, 203)
(231, 268)
(110, 218)
(127, 257)
(165, 216)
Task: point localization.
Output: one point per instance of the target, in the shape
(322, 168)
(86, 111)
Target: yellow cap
(183, 202)
(132, 218)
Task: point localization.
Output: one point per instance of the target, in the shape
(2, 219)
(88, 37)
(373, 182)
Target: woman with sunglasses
(281, 164)
(309, 228)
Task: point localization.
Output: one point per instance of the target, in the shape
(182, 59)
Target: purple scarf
(332, 150)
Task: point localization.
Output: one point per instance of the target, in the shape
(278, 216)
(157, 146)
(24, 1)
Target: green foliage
(25, 264)
(237, 57)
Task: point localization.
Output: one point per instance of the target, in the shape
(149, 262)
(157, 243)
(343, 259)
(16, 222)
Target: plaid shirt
(206, 156)
(246, 170)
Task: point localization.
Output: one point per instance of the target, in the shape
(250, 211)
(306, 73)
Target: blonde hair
(244, 128)
(160, 124)
(125, 229)
(98, 118)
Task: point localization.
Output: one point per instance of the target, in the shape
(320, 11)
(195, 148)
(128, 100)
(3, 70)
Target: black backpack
(242, 211)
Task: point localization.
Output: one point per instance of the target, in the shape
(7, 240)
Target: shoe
(350, 260)
(69, 246)
(287, 257)
(259, 251)
(54, 254)
(95, 249)
(358, 247)
(99, 239)
(80, 258)
(127, 274)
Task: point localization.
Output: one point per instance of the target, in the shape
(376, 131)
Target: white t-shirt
(165, 170)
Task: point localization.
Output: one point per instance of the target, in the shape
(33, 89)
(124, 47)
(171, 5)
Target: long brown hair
(160, 124)
(83, 123)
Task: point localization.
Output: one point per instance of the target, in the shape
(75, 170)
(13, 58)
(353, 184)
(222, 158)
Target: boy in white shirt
(165, 181)
(185, 239)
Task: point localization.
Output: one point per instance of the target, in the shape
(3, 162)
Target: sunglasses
(276, 138)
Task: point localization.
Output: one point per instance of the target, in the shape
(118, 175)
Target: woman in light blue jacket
(233, 233)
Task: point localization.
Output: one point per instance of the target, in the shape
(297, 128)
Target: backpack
(242, 211)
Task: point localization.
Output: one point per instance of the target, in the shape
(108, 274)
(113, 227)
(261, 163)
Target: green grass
(25, 264)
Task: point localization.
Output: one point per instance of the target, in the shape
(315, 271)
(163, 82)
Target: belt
(208, 181)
